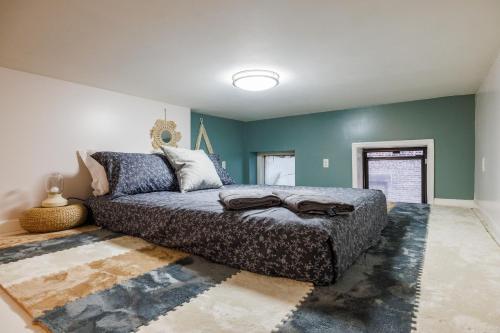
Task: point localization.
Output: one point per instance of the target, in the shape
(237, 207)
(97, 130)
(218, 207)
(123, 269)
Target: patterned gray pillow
(223, 174)
(132, 173)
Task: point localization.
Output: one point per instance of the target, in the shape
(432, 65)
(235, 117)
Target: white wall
(44, 121)
(487, 181)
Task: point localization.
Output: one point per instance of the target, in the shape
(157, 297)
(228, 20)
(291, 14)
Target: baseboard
(488, 223)
(10, 227)
(455, 203)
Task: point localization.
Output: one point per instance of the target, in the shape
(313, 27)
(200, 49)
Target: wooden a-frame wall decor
(202, 133)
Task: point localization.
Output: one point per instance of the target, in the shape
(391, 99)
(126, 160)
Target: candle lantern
(54, 186)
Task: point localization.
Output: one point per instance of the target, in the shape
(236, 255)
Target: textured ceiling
(330, 54)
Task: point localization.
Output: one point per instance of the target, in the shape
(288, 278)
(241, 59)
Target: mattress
(271, 241)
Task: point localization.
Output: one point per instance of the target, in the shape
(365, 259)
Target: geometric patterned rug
(94, 280)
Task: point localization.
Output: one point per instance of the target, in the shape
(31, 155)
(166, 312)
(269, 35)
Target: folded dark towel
(248, 199)
(310, 203)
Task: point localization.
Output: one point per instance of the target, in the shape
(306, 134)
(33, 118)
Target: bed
(272, 241)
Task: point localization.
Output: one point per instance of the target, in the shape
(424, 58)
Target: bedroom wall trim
(357, 160)
(455, 203)
(488, 223)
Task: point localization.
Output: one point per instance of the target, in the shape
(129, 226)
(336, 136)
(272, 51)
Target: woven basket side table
(53, 219)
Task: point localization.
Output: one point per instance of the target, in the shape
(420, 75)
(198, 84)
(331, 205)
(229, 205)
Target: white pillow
(194, 169)
(100, 183)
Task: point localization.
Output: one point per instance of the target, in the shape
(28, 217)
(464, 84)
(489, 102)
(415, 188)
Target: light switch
(326, 163)
(483, 164)
(223, 164)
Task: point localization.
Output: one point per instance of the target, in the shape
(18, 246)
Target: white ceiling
(330, 54)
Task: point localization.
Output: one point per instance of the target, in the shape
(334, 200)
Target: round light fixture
(256, 80)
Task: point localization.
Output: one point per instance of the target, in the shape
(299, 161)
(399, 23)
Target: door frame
(422, 158)
(357, 160)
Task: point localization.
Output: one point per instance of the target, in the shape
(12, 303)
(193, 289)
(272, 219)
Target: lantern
(54, 186)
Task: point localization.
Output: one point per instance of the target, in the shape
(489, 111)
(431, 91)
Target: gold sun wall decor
(163, 133)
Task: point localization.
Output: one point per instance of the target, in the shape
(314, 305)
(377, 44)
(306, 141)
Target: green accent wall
(447, 120)
(226, 137)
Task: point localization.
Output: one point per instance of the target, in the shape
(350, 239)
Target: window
(276, 168)
(399, 173)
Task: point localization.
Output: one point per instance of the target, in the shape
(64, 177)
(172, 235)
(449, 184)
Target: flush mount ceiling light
(256, 80)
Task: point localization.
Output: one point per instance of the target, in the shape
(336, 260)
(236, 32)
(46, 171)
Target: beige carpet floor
(461, 277)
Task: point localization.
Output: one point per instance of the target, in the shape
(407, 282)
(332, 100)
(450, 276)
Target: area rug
(95, 280)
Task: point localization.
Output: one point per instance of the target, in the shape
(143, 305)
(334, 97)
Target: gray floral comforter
(272, 241)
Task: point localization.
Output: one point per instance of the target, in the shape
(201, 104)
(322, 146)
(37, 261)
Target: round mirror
(164, 133)
(166, 136)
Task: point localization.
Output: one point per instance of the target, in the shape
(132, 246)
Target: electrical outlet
(326, 163)
(483, 164)
(223, 164)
